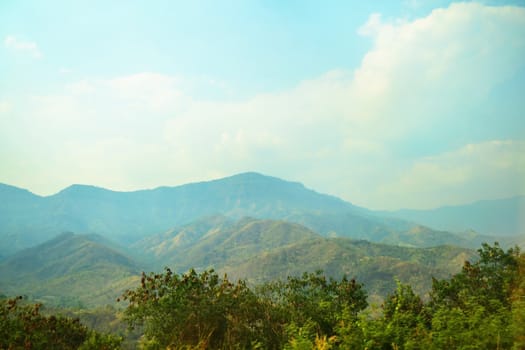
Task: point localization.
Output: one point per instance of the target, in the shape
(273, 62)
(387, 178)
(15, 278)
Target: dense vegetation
(481, 307)
(23, 326)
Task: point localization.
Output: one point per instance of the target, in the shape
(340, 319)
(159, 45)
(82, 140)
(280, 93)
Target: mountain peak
(255, 177)
(80, 189)
(7, 190)
(251, 174)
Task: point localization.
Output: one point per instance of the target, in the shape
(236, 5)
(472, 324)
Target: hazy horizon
(387, 105)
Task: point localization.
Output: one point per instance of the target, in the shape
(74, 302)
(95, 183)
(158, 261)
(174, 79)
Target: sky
(386, 104)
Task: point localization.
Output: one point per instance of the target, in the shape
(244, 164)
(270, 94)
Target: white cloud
(13, 43)
(422, 87)
(437, 68)
(372, 26)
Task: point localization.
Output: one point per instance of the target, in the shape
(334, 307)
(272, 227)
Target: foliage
(478, 301)
(24, 327)
(107, 319)
(480, 307)
(194, 310)
(487, 280)
(316, 299)
(471, 327)
(517, 299)
(405, 318)
(204, 310)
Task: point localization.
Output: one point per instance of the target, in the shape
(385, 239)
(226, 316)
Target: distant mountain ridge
(129, 216)
(126, 217)
(499, 217)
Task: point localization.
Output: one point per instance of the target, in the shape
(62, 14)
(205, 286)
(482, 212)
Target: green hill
(214, 241)
(69, 269)
(262, 250)
(375, 265)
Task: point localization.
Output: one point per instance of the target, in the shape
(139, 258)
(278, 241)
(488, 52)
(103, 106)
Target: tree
(23, 326)
(473, 309)
(313, 304)
(488, 279)
(194, 310)
(405, 319)
(517, 299)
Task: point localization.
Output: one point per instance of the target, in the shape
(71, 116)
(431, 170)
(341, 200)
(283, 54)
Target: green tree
(488, 279)
(405, 320)
(517, 299)
(194, 309)
(473, 310)
(471, 327)
(22, 326)
(314, 304)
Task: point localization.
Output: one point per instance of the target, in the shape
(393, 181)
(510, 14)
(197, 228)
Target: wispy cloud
(13, 43)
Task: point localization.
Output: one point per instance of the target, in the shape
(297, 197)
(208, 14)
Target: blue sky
(386, 104)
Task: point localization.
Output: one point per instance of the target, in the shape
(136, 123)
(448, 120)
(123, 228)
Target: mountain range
(249, 225)
(126, 217)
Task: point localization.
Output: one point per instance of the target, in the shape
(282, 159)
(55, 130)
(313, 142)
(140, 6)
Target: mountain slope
(226, 243)
(375, 265)
(18, 208)
(181, 237)
(68, 267)
(261, 250)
